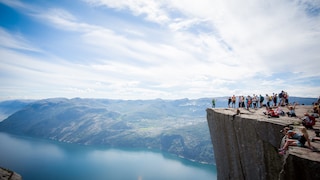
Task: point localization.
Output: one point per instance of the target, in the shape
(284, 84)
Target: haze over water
(42, 159)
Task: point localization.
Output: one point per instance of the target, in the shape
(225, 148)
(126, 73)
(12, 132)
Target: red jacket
(312, 121)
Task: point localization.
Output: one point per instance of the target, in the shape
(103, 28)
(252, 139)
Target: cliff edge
(246, 146)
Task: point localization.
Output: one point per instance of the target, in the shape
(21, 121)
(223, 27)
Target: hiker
(286, 98)
(248, 102)
(295, 139)
(271, 113)
(281, 98)
(268, 100)
(229, 101)
(317, 137)
(213, 103)
(285, 130)
(240, 101)
(233, 99)
(308, 121)
(275, 99)
(261, 100)
(279, 111)
(292, 112)
(316, 108)
(254, 101)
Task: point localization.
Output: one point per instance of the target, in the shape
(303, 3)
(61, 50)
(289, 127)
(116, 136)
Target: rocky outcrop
(246, 147)
(6, 174)
(301, 164)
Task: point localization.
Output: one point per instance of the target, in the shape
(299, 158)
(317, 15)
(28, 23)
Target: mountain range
(175, 126)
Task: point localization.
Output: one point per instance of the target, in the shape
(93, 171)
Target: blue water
(37, 159)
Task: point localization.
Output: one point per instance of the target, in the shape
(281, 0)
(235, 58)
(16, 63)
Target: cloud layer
(159, 49)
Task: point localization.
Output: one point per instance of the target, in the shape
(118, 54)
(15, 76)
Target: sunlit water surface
(37, 159)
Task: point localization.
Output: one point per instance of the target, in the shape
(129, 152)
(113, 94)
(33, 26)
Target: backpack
(280, 95)
(309, 124)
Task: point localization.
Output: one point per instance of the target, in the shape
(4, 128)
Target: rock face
(6, 174)
(246, 147)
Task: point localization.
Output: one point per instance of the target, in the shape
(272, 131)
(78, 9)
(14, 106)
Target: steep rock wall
(246, 147)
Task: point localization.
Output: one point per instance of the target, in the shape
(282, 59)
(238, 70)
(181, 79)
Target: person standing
(275, 99)
(281, 98)
(233, 99)
(286, 98)
(213, 103)
(254, 101)
(261, 100)
(248, 101)
(240, 101)
(267, 100)
(229, 101)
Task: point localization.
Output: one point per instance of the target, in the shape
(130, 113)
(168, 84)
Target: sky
(168, 49)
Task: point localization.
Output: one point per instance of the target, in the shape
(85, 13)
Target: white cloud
(15, 41)
(194, 49)
(152, 10)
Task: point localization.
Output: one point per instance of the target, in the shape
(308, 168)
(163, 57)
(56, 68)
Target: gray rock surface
(6, 174)
(246, 146)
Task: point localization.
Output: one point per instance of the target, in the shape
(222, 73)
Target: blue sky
(169, 49)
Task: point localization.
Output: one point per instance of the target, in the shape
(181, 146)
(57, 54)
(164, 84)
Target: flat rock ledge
(6, 174)
(246, 145)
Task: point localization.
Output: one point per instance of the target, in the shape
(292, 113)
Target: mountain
(174, 126)
(11, 106)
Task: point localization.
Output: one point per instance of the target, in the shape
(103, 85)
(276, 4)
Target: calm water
(37, 159)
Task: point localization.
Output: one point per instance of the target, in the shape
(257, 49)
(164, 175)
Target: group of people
(292, 138)
(274, 105)
(308, 120)
(257, 101)
(278, 111)
(274, 108)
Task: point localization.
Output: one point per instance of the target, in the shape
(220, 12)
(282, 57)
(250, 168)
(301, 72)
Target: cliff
(246, 146)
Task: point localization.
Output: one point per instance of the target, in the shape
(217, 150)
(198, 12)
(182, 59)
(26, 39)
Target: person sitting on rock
(317, 138)
(308, 121)
(295, 139)
(280, 111)
(285, 130)
(315, 110)
(292, 112)
(271, 113)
